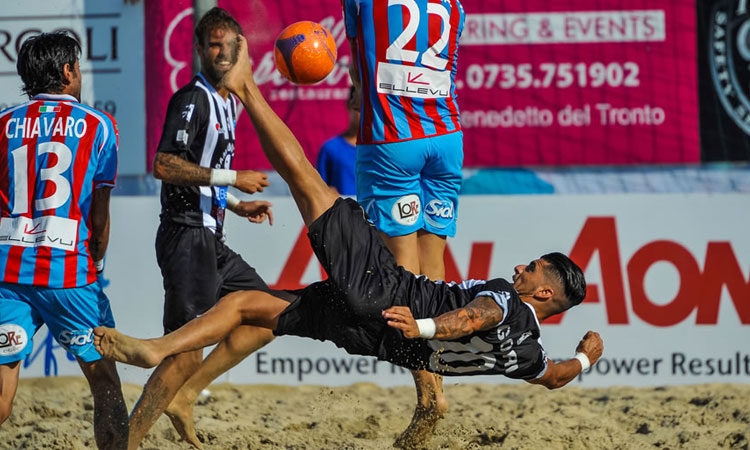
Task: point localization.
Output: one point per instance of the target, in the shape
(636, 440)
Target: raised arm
(588, 351)
(482, 313)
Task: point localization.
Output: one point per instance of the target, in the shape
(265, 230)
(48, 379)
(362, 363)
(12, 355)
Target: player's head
(564, 271)
(215, 19)
(553, 277)
(48, 63)
(216, 43)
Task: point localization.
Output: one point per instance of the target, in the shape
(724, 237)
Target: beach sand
(56, 413)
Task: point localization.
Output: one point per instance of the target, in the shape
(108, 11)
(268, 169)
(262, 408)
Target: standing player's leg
(8, 385)
(238, 345)
(159, 391)
(310, 192)
(235, 275)
(440, 184)
(431, 253)
(389, 184)
(110, 412)
(65, 311)
(20, 323)
(179, 250)
(431, 402)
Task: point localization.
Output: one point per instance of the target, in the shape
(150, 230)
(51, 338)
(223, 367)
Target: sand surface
(56, 413)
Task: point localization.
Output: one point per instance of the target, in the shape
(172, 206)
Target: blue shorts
(70, 314)
(412, 185)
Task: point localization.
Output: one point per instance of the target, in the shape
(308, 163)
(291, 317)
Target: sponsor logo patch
(406, 209)
(13, 339)
(439, 213)
(73, 338)
(182, 136)
(187, 113)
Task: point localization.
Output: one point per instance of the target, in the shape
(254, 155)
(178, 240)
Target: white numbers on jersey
(53, 174)
(430, 58)
(478, 353)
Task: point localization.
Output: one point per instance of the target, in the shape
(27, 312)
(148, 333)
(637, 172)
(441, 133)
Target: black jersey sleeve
(187, 117)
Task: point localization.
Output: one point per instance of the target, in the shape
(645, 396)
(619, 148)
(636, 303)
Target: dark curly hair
(215, 18)
(42, 59)
(570, 275)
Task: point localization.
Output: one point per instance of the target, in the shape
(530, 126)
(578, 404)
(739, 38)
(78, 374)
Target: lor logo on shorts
(729, 57)
(13, 339)
(406, 209)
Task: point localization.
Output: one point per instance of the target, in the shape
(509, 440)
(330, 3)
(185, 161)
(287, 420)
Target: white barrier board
(668, 275)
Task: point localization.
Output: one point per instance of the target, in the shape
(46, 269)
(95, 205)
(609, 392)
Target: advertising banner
(669, 299)
(723, 58)
(579, 83)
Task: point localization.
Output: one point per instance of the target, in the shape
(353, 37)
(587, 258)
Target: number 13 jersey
(54, 151)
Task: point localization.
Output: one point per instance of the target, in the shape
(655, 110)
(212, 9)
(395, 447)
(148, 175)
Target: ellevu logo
(729, 57)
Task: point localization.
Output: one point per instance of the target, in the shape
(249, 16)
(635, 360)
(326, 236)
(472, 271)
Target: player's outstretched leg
(310, 192)
(116, 346)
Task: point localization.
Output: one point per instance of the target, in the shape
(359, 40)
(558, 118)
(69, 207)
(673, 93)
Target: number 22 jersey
(407, 54)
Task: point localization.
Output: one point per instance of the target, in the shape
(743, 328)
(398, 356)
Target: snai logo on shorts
(13, 339)
(76, 337)
(406, 209)
(439, 208)
(439, 213)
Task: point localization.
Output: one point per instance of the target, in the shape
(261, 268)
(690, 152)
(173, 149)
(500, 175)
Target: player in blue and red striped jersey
(58, 163)
(410, 144)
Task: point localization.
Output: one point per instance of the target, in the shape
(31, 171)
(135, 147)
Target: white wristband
(232, 201)
(99, 265)
(223, 177)
(584, 360)
(427, 328)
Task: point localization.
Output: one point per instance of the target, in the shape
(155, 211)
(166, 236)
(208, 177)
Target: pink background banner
(540, 83)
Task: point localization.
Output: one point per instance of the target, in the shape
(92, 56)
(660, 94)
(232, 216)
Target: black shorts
(198, 269)
(363, 280)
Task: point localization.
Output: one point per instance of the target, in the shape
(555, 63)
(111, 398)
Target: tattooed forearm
(172, 169)
(480, 314)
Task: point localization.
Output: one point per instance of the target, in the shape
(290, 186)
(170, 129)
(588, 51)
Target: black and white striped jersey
(199, 127)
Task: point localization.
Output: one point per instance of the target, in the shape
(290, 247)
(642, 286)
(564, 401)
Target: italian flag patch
(49, 109)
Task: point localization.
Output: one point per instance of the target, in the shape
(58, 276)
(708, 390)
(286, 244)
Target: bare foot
(422, 426)
(116, 346)
(180, 412)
